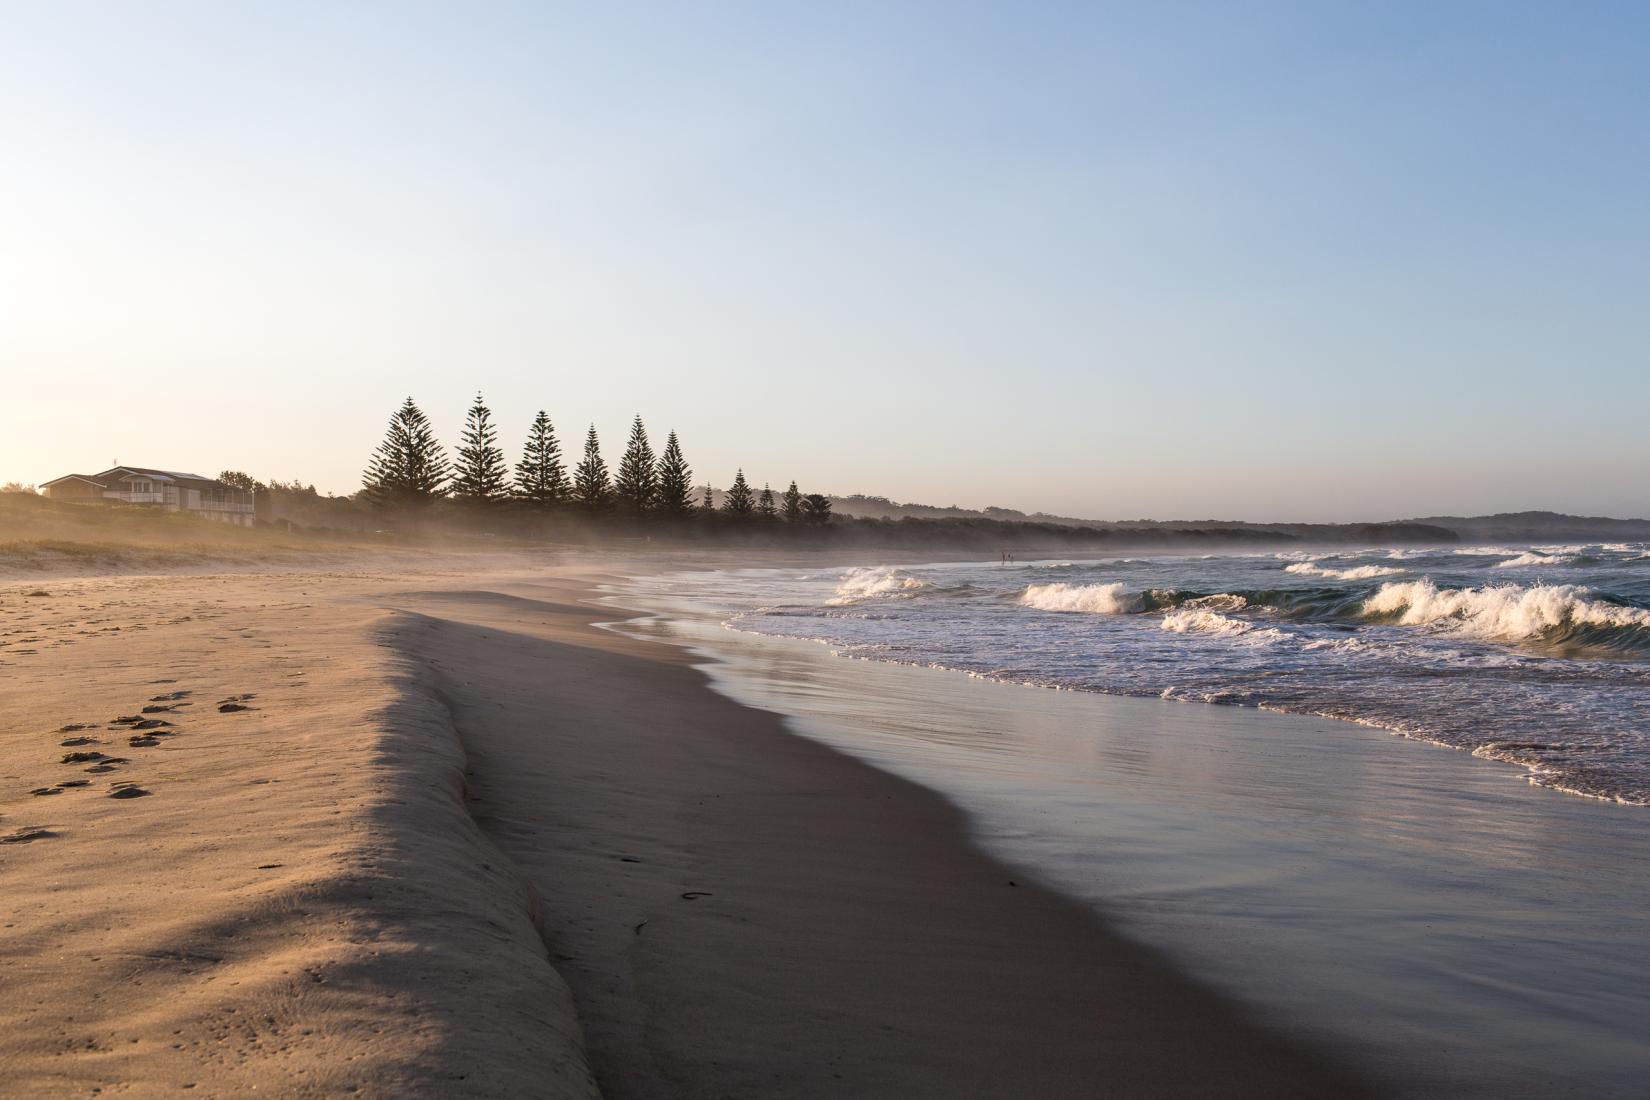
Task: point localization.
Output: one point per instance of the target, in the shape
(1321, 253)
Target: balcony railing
(243, 507)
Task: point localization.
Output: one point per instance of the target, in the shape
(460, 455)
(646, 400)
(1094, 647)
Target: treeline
(411, 477)
(412, 484)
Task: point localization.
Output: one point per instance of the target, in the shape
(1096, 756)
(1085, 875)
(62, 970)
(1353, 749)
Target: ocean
(1459, 923)
(1535, 656)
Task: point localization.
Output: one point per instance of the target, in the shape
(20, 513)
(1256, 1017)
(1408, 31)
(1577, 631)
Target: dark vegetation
(411, 485)
(1543, 527)
(412, 489)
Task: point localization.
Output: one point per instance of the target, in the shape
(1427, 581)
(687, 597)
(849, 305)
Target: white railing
(237, 506)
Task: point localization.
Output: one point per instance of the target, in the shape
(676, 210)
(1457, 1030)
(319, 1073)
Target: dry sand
(460, 842)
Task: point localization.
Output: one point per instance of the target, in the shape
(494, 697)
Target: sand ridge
(237, 857)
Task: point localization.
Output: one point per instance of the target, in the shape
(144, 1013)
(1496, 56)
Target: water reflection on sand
(1416, 909)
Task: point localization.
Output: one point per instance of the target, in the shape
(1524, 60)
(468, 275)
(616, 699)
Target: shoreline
(304, 905)
(1431, 920)
(1502, 751)
(900, 958)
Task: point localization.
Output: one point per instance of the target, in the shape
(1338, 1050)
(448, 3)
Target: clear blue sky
(1284, 261)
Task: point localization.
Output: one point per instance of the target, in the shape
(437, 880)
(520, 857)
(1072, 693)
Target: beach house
(167, 490)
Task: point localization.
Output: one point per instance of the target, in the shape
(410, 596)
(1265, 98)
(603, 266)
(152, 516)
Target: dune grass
(36, 532)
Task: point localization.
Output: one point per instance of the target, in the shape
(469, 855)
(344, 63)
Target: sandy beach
(434, 833)
(869, 552)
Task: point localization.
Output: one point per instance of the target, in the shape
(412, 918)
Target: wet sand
(1424, 914)
(463, 842)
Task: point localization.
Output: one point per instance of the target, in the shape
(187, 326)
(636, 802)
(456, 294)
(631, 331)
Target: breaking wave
(1201, 620)
(1093, 599)
(1113, 598)
(1357, 573)
(1553, 614)
(1532, 557)
(875, 584)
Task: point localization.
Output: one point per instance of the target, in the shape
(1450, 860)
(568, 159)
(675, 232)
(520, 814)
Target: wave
(1114, 598)
(1555, 614)
(1219, 601)
(881, 582)
(1092, 599)
(1357, 573)
(1201, 620)
(1404, 553)
(1569, 616)
(1533, 557)
(1080, 567)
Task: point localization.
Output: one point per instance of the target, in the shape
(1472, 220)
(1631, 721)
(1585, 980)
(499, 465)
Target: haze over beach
(768, 550)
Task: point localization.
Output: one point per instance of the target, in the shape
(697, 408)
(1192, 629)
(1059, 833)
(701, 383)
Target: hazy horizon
(1290, 263)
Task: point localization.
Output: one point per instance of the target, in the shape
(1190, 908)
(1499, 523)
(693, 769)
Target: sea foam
(1357, 573)
(881, 582)
(1502, 613)
(1198, 620)
(1093, 599)
(1532, 557)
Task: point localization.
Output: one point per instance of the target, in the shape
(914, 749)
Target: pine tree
(738, 502)
(764, 503)
(409, 467)
(480, 475)
(590, 484)
(636, 487)
(675, 480)
(540, 478)
(792, 509)
(710, 498)
(816, 509)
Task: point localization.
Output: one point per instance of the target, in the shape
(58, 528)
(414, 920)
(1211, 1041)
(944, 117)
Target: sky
(1268, 261)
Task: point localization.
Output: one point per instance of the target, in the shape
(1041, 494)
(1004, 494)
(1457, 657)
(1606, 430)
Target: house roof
(75, 477)
(113, 476)
(193, 481)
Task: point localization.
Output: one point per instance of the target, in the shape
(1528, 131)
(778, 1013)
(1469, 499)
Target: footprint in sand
(234, 703)
(81, 757)
(142, 742)
(108, 764)
(74, 782)
(46, 790)
(72, 741)
(22, 836)
(171, 696)
(127, 790)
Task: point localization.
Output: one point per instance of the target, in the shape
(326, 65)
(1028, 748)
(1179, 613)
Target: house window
(143, 486)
